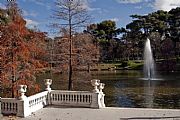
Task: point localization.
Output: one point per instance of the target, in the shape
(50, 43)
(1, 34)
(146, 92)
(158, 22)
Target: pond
(125, 88)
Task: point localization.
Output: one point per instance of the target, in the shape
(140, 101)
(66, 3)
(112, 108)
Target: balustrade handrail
(37, 95)
(10, 99)
(66, 91)
(37, 101)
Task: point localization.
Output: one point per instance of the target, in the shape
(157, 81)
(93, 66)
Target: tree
(133, 39)
(85, 51)
(107, 29)
(72, 14)
(105, 33)
(174, 30)
(20, 51)
(153, 24)
(4, 19)
(156, 21)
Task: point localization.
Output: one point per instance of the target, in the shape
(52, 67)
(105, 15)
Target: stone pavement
(108, 113)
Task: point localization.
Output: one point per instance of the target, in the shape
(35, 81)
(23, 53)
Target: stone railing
(71, 98)
(24, 106)
(38, 101)
(9, 106)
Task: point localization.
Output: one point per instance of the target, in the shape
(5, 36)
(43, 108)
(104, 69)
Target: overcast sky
(37, 12)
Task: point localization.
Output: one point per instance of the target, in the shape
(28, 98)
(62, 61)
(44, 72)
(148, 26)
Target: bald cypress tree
(71, 15)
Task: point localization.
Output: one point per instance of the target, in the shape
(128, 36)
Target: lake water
(126, 88)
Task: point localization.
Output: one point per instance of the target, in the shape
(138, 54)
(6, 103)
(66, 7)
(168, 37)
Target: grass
(135, 65)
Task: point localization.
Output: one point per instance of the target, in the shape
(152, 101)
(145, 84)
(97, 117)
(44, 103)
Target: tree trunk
(13, 77)
(70, 85)
(89, 68)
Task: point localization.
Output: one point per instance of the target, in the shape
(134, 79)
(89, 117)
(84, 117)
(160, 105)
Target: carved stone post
(95, 84)
(48, 82)
(22, 90)
(101, 87)
(23, 104)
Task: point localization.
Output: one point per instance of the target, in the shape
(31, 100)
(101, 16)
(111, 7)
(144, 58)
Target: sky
(38, 12)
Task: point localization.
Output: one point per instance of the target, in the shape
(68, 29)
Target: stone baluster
(22, 90)
(48, 82)
(95, 84)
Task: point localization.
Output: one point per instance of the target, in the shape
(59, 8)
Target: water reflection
(125, 89)
(149, 94)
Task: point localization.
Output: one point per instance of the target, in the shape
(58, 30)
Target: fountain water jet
(149, 74)
(148, 61)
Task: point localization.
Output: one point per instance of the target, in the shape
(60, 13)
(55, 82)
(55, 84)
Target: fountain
(149, 74)
(148, 61)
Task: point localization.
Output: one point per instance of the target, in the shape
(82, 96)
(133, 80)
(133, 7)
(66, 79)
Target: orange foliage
(84, 52)
(21, 53)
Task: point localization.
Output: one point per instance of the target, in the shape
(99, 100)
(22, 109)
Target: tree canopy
(20, 50)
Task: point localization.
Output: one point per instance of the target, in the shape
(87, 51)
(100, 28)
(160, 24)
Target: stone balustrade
(24, 106)
(38, 101)
(71, 98)
(9, 106)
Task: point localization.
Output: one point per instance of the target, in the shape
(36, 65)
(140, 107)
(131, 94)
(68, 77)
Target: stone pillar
(97, 95)
(23, 108)
(23, 103)
(48, 82)
(101, 87)
(95, 103)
